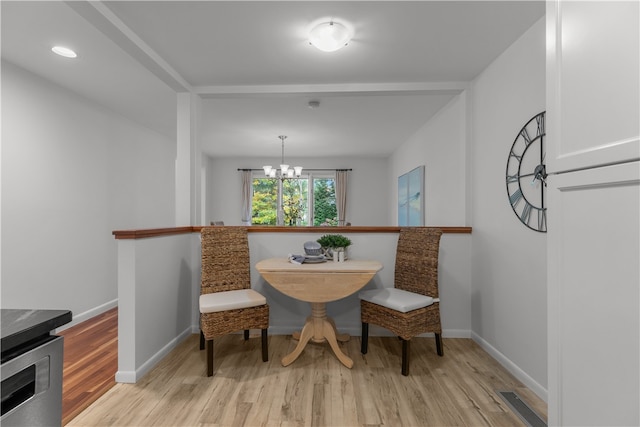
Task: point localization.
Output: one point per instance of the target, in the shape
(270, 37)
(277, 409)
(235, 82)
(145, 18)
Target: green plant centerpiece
(334, 243)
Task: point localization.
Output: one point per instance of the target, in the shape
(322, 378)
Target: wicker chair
(412, 307)
(227, 302)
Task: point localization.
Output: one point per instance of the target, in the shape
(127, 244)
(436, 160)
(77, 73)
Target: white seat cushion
(230, 300)
(397, 299)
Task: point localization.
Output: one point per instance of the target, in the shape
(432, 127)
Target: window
(325, 211)
(310, 200)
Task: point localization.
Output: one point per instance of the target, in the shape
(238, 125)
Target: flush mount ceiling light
(64, 51)
(329, 36)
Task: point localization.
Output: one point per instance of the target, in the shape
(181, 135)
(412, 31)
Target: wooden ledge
(156, 232)
(349, 229)
(151, 232)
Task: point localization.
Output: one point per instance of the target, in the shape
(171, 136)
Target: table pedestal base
(319, 328)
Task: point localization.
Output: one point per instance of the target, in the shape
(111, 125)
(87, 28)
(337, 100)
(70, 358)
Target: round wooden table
(318, 284)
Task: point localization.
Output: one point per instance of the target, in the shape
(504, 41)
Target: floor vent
(528, 415)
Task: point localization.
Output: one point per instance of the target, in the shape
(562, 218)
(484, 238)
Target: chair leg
(246, 334)
(210, 358)
(265, 346)
(201, 340)
(405, 356)
(439, 345)
(364, 339)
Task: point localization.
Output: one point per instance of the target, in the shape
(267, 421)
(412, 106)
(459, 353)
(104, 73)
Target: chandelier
(285, 171)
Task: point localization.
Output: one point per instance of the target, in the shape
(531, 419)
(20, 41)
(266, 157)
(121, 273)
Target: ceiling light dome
(329, 36)
(64, 51)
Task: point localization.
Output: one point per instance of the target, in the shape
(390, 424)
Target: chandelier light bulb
(329, 36)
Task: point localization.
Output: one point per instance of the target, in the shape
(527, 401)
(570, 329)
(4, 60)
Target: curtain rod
(307, 169)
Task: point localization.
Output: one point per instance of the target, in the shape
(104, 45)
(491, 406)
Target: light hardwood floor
(458, 389)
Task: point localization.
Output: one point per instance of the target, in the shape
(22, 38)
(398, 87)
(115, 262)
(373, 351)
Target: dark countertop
(21, 326)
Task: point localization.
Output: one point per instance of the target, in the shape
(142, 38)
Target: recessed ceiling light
(64, 51)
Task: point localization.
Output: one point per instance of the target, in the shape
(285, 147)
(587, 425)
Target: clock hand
(539, 173)
(526, 175)
(541, 178)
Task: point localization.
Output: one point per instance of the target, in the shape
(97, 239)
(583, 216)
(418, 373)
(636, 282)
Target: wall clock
(527, 174)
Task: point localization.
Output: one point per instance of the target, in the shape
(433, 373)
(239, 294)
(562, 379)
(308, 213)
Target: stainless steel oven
(32, 383)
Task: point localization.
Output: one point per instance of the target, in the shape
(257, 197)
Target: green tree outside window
(324, 201)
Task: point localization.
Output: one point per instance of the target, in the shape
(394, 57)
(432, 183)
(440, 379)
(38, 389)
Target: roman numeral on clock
(540, 121)
(515, 198)
(525, 135)
(542, 219)
(526, 213)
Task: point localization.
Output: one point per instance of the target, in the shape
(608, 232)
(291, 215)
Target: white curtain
(341, 195)
(247, 189)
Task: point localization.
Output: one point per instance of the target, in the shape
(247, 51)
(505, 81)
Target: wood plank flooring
(90, 362)
(458, 389)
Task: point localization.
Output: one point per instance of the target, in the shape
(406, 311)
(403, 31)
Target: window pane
(295, 201)
(264, 201)
(324, 202)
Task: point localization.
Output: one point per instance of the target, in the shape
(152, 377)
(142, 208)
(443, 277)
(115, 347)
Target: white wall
(440, 146)
(367, 187)
(464, 148)
(509, 310)
(157, 309)
(72, 172)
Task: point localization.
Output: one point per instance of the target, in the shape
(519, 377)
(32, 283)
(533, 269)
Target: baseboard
(128, 377)
(374, 331)
(456, 333)
(79, 318)
(521, 375)
(134, 376)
